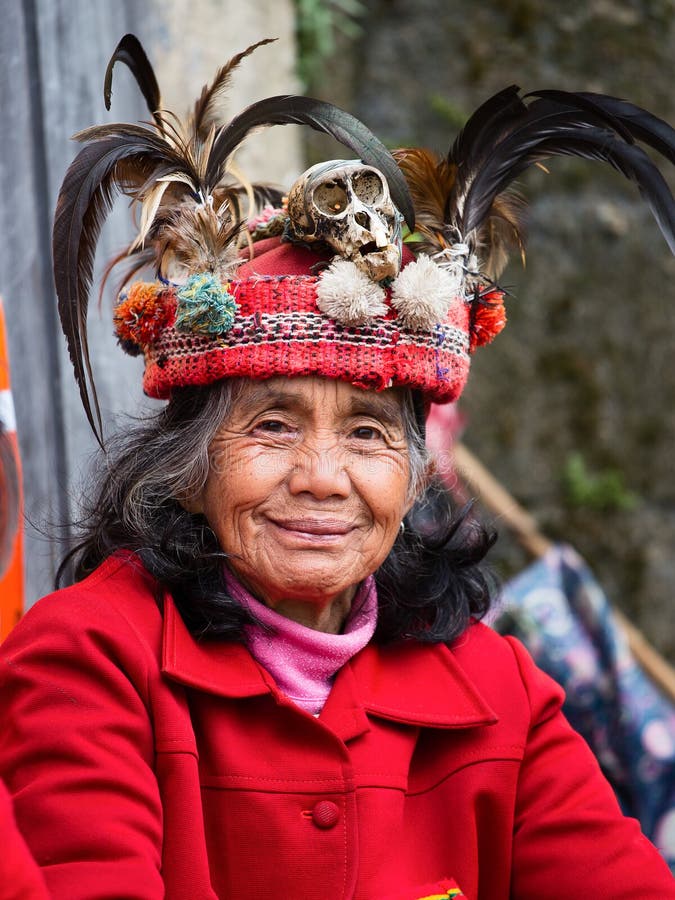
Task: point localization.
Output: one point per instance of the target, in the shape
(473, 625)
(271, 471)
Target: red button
(325, 814)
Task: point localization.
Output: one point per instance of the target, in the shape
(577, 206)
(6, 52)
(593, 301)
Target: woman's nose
(320, 472)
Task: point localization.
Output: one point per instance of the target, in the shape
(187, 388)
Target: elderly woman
(269, 677)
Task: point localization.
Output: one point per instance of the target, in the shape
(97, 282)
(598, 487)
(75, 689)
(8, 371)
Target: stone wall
(573, 406)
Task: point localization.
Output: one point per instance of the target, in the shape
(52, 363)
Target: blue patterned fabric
(563, 617)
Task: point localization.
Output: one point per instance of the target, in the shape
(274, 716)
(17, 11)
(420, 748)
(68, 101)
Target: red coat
(20, 877)
(145, 764)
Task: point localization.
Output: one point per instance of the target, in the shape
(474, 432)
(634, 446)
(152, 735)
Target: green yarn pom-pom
(205, 306)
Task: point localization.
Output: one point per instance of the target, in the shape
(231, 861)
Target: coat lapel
(419, 684)
(224, 668)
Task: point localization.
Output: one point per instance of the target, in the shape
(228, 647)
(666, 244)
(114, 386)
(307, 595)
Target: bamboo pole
(498, 500)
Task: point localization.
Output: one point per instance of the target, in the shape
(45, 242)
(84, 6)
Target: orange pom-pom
(143, 313)
(488, 319)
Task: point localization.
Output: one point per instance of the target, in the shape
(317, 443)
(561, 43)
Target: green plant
(452, 114)
(318, 22)
(605, 490)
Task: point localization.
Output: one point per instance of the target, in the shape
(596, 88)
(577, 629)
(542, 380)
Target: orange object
(11, 568)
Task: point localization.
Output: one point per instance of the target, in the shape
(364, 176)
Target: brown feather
(432, 181)
(502, 232)
(205, 116)
(198, 239)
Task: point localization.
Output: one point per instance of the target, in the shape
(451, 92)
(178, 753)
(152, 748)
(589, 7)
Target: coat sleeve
(570, 837)
(77, 751)
(20, 877)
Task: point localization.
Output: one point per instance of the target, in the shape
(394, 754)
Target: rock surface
(572, 408)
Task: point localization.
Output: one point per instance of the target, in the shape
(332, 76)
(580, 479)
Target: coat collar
(224, 668)
(411, 683)
(419, 684)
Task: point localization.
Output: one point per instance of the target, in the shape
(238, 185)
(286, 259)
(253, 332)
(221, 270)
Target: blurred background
(571, 409)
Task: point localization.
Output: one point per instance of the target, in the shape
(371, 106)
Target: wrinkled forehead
(316, 392)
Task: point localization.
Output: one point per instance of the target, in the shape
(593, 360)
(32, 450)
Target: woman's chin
(305, 580)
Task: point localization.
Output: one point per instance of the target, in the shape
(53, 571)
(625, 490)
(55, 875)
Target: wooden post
(495, 498)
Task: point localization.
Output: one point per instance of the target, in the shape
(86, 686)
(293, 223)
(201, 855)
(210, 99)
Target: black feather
(84, 202)
(267, 195)
(486, 125)
(323, 117)
(632, 122)
(587, 143)
(555, 126)
(130, 52)
(125, 130)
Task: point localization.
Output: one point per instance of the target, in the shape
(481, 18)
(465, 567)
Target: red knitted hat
(271, 323)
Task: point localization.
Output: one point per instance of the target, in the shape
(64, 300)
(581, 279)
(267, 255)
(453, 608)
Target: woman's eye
(367, 433)
(272, 426)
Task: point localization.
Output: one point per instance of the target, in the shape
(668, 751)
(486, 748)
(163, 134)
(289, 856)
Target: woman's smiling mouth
(315, 531)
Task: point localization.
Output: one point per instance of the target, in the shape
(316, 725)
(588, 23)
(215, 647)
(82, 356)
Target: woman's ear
(192, 503)
(421, 484)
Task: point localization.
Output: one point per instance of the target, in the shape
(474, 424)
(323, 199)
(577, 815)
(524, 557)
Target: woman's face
(307, 488)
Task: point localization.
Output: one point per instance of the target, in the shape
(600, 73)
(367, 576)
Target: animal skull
(347, 205)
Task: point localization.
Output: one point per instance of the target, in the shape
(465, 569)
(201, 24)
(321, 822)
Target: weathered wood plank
(25, 284)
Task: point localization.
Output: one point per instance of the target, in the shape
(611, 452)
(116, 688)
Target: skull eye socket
(331, 198)
(368, 187)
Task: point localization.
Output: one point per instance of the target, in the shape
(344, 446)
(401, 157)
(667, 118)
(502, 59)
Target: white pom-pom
(423, 292)
(346, 294)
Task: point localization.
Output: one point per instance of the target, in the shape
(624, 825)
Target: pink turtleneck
(302, 661)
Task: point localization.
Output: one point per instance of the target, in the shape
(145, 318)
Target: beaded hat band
(257, 325)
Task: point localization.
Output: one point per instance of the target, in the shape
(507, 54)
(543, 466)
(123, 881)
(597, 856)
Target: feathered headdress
(325, 285)
(177, 173)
